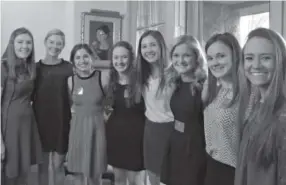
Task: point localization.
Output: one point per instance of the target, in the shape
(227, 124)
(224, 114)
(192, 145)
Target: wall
(40, 17)
(86, 6)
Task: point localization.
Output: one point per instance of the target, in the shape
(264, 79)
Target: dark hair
(104, 28)
(78, 47)
(264, 148)
(143, 67)
(13, 62)
(134, 96)
(229, 40)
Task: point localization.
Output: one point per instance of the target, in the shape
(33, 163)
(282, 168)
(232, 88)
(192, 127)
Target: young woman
(221, 105)
(262, 155)
(125, 126)
(86, 157)
(19, 132)
(101, 45)
(152, 60)
(51, 106)
(185, 161)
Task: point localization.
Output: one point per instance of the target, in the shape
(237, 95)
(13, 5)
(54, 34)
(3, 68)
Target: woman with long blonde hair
(262, 155)
(185, 160)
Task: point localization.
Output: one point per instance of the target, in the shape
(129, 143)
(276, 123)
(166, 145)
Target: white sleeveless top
(157, 107)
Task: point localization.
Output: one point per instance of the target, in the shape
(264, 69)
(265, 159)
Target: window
(180, 18)
(250, 22)
(150, 16)
(157, 15)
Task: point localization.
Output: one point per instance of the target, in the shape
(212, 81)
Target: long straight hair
(13, 62)
(264, 149)
(144, 67)
(133, 95)
(229, 40)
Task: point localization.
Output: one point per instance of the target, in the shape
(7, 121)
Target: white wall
(40, 17)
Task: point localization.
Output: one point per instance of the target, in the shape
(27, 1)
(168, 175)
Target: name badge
(79, 91)
(179, 126)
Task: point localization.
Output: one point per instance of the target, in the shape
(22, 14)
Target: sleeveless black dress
(184, 163)
(124, 133)
(52, 105)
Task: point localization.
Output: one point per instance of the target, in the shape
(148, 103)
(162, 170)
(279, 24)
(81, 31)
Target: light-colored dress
(87, 142)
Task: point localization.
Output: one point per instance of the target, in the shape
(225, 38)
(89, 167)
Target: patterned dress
(222, 139)
(87, 142)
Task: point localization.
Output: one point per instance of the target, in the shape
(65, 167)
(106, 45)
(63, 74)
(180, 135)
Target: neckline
(41, 61)
(85, 77)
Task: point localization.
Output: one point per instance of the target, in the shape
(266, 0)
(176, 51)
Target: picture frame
(110, 22)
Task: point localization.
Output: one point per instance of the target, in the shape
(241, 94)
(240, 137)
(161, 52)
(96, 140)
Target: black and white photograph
(131, 92)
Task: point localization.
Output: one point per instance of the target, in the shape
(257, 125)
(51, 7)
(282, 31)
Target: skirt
(185, 162)
(156, 139)
(218, 173)
(87, 146)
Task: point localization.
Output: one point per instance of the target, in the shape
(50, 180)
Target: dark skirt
(156, 138)
(218, 173)
(124, 135)
(185, 162)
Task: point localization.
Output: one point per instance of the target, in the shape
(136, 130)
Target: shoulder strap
(100, 82)
(72, 87)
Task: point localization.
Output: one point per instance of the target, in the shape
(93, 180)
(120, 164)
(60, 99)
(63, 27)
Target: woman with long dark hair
(125, 126)
(19, 132)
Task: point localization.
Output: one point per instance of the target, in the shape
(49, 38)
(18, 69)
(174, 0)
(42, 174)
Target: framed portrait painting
(101, 29)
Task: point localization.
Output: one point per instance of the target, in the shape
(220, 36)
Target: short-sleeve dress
(87, 141)
(52, 105)
(185, 161)
(124, 133)
(18, 126)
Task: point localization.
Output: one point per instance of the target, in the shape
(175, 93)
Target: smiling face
(23, 46)
(183, 59)
(54, 45)
(259, 61)
(150, 49)
(219, 57)
(120, 59)
(82, 60)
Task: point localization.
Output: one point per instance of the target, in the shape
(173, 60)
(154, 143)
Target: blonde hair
(199, 73)
(56, 32)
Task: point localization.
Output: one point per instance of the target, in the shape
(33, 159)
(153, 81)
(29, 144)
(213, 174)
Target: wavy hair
(172, 77)
(133, 95)
(14, 64)
(229, 40)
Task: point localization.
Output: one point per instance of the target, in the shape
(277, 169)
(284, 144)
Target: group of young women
(182, 124)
